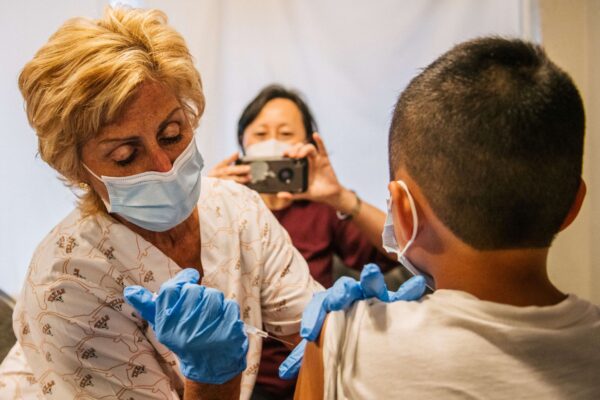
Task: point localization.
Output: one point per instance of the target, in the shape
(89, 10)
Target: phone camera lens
(286, 175)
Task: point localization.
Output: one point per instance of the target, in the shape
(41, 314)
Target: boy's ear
(402, 213)
(576, 206)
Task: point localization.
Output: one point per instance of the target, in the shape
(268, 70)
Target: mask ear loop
(415, 218)
(91, 172)
(106, 203)
(429, 281)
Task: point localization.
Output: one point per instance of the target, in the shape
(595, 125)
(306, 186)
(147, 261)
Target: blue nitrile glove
(197, 324)
(344, 292)
(373, 285)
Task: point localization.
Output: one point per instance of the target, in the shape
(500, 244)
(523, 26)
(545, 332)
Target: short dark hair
(267, 94)
(492, 132)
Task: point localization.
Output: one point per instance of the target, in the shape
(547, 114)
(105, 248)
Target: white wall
(351, 59)
(32, 200)
(571, 36)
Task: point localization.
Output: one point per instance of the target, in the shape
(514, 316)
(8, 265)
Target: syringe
(252, 330)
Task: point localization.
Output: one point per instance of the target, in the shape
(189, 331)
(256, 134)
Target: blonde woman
(114, 103)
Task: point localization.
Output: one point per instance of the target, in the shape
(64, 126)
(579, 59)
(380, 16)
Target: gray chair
(7, 336)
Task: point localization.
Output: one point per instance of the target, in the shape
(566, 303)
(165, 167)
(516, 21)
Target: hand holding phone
(277, 174)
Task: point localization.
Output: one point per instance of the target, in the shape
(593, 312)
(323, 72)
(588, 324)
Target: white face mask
(157, 201)
(267, 149)
(388, 237)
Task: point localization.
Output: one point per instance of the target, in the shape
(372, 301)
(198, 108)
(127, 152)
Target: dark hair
(492, 132)
(267, 94)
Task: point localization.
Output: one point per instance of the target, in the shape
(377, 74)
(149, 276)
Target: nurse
(114, 103)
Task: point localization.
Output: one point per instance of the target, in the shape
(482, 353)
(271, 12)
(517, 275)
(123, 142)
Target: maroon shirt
(318, 234)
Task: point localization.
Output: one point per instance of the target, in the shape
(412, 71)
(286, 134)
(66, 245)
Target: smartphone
(277, 174)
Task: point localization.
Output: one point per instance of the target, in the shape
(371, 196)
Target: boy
(485, 152)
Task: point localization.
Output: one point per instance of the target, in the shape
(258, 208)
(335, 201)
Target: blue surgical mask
(388, 237)
(157, 201)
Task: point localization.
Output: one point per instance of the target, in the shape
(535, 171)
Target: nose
(160, 160)
(272, 134)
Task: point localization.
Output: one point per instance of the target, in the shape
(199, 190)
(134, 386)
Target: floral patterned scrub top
(77, 338)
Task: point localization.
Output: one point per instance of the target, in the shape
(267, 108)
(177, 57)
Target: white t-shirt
(82, 340)
(451, 345)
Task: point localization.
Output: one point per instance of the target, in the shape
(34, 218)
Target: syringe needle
(252, 330)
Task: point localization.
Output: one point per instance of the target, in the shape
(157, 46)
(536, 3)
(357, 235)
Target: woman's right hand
(196, 323)
(227, 169)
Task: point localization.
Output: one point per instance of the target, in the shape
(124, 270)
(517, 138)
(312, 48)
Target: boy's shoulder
(457, 317)
(450, 333)
(448, 306)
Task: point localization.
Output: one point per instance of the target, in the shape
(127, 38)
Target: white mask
(267, 149)
(157, 201)
(388, 237)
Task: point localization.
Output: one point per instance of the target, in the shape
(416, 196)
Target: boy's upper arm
(311, 382)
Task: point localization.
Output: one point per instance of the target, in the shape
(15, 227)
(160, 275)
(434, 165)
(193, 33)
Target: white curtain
(351, 59)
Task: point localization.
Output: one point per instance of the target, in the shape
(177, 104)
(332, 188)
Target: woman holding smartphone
(325, 221)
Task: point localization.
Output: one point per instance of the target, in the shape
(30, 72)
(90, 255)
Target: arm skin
(311, 382)
(324, 187)
(369, 220)
(203, 391)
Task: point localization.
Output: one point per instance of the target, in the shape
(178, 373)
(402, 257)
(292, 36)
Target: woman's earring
(84, 186)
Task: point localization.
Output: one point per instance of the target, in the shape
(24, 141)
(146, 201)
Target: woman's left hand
(323, 184)
(341, 296)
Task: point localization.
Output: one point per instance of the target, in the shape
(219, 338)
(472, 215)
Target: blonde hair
(81, 79)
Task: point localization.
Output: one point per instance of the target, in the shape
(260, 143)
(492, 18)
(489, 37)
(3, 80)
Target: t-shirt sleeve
(355, 249)
(287, 285)
(81, 341)
(332, 340)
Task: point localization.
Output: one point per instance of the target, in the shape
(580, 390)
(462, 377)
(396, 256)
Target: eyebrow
(162, 126)
(263, 125)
